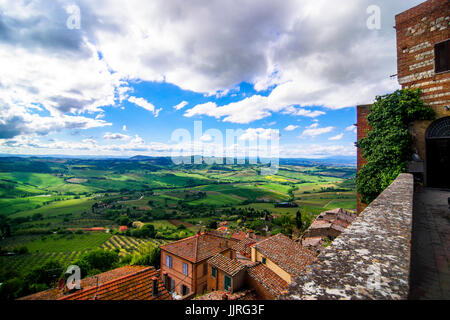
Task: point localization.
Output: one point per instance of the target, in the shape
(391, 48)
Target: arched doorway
(438, 153)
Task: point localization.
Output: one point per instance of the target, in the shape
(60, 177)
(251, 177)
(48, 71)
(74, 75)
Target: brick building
(362, 127)
(225, 274)
(423, 61)
(283, 256)
(184, 265)
(328, 225)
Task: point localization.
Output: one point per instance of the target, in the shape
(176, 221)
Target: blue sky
(104, 77)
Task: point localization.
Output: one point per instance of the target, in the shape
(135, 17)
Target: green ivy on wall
(388, 145)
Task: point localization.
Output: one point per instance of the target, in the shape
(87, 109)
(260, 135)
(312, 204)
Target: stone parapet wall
(371, 258)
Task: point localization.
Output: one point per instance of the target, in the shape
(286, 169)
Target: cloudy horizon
(109, 77)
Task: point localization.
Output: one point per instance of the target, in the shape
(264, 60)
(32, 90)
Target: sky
(158, 78)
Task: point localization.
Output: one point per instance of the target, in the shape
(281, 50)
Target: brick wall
(217, 282)
(362, 128)
(418, 30)
(176, 272)
(260, 291)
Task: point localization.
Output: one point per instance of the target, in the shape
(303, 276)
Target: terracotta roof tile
(287, 254)
(268, 279)
(337, 219)
(55, 293)
(199, 247)
(231, 267)
(136, 286)
(220, 295)
(244, 246)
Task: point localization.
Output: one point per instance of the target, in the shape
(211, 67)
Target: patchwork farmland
(59, 210)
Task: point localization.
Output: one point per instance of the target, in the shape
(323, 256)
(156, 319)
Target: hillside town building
(184, 263)
(326, 227)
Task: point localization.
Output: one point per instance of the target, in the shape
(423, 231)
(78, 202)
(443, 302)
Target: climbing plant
(388, 145)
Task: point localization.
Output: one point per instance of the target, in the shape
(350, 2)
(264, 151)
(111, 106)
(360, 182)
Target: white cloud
(115, 136)
(336, 138)
(181, 105)
(18, 120)
(317, 151)
(314, 131)
(141, 102)
(206, 138)
(290, 128)
(303, 112)
(352, 128)
(260, 133)
(314, 52)
(124, 128)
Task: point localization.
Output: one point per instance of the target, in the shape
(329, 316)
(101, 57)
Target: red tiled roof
(94, 229)
(137, 286)
(268, 279)
(244, 246)
(231, 267)
(313, 241)
(199, 247)
(55, 293)
(337, 219)
(222, 229)
(287, 254)
(220, 295)
(239, 235)
(123, 228)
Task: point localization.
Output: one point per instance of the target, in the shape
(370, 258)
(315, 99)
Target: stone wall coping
(371, 258)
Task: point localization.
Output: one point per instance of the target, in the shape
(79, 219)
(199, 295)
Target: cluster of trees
(148, 255)
(195, 196)
(248, 212)
(388, 145)
(147, 231)
(47, 275)
(289, 224)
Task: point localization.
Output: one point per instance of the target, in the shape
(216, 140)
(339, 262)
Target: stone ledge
(371, 258)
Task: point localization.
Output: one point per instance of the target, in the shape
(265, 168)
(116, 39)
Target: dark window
(264, 261)
(213, 273)
(227, 283)
(442, 56)
(184, 290)
(205, 269)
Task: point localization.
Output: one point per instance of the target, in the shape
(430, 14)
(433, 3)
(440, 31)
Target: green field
(67, 243)
(42, 200)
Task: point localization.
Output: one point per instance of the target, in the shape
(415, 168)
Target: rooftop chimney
(166, 280)
(155, 286)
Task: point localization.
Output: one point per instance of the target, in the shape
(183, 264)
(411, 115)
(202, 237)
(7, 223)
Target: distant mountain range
(349, 161)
